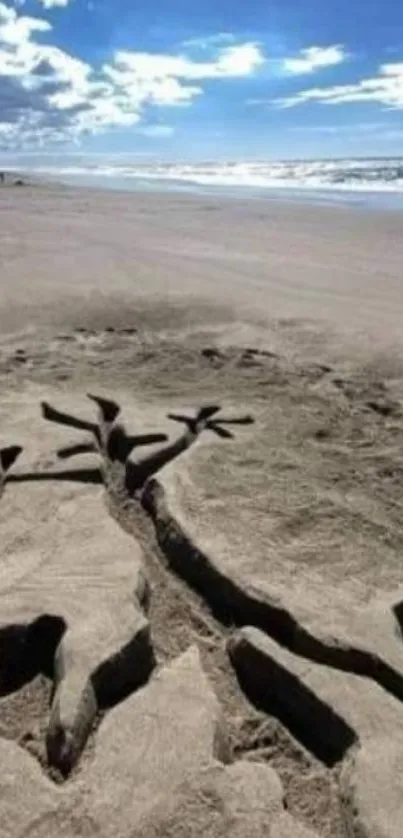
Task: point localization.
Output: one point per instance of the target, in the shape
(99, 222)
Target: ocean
(367, 182)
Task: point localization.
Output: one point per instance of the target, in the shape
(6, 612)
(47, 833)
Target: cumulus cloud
(47, 94)
(386, 89)
(16, 29)
(314, 58)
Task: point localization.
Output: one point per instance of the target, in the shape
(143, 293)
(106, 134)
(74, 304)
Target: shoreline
(365, 200)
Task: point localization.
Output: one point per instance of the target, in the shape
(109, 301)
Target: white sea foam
(361, 175)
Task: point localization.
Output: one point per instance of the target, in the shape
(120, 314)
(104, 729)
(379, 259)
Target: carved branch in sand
(115, 445)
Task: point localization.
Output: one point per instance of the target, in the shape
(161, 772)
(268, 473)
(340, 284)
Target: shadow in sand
(8, 457)
(26, 650)
(74, 450)
(119, 445)
(84, 475)
(61, 418)
(108, 410)
(311, 721)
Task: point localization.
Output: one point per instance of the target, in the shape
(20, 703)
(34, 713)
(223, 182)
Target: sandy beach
(70, 249)
(200, 631)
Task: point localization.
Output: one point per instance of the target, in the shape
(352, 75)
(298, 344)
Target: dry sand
(291, 314)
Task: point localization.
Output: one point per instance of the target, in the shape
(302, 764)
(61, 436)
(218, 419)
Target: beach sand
(285, 313)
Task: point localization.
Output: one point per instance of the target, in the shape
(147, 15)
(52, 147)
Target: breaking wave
(381, 175)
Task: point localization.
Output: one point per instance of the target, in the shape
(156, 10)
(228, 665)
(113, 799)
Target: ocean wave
(353, 175)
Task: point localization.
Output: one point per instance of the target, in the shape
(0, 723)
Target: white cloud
(15, 29)
(241, 60)
(47, 94)
(168, 80)
(384, 89)
(231, 62)
(139, 79)
(314, 58)
(50, 4)
(47, 4)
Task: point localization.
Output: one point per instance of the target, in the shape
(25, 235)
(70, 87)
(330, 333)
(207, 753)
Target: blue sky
(217, 79)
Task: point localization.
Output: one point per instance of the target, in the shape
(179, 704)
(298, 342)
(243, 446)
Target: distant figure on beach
(2, 178)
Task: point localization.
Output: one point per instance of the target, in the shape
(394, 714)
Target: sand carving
(93, 640)
(115, 445)
(110, 440)
(308, 680)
